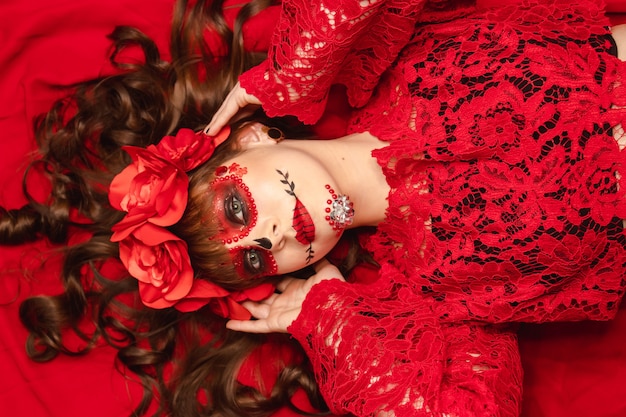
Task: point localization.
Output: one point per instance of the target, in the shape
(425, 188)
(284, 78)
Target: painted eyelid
(234, 217)
(251, 268)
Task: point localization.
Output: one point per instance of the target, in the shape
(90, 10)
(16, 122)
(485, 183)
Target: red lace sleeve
(317, 44)
(380, 352)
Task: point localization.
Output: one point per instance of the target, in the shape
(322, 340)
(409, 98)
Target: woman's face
(272, 203)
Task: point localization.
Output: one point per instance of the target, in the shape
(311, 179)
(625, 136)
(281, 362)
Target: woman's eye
(236, 211)
(253, 261)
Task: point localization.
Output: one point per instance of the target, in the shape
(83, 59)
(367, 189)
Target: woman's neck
(349, 160)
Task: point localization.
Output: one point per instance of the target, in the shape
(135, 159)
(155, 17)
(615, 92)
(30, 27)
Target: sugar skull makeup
(269, 205)
(237, 214)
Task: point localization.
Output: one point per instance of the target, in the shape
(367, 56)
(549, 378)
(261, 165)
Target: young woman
(495, 187)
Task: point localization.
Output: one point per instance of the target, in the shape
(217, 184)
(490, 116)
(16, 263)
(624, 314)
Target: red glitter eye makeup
(234, 207)
(253, 262)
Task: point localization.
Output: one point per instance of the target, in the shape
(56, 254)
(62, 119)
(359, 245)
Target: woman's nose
(270, 236)
(277, 235)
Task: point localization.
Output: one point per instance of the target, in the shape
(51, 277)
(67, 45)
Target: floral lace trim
(332, 42)
(510, 133)
(380, 351)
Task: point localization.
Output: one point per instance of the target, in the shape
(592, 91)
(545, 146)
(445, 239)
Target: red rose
(201, 293)
(221, 301)
(160, 262)
(189, 149)
(151, 189)
(238, 312)
(153, 192)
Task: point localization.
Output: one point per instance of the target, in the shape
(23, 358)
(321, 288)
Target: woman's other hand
(237, 105)
(276, 313)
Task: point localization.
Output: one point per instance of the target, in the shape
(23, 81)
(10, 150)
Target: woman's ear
(252, 135)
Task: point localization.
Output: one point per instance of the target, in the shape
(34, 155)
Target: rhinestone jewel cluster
(340, 210)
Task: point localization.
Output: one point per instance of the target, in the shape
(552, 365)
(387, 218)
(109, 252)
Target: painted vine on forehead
(302, 221)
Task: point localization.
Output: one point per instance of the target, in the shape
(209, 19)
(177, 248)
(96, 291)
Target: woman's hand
(237, 104)
(276, 313)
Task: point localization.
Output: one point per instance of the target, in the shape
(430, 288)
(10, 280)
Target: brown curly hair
(80, 141)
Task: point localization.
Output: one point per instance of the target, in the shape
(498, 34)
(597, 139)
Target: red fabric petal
(220, 307)
(150, 189)
(189, 149)
(152, 235)
(237, 311)
(205, 289)
(182, 271)
(177, 204)
(160, 261)
(119, 186)
(258, 293)
(201, 293)
(152, 297)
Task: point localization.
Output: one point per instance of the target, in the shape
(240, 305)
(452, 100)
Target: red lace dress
(503, 166)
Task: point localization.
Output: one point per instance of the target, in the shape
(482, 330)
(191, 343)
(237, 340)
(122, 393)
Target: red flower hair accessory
(153, 188)
(153, 191)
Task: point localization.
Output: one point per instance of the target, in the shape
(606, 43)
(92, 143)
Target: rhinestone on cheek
(341, 211)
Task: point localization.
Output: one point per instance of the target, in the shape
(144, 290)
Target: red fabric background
(47, 43)
(572, 370)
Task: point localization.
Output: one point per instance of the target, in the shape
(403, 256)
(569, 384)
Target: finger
(244, 112)
(258, 310)
(227, 110)
(248, 326)
(221, 118)
(217, 122)
(266, 301)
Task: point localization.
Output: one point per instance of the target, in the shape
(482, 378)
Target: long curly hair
(187, 363)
